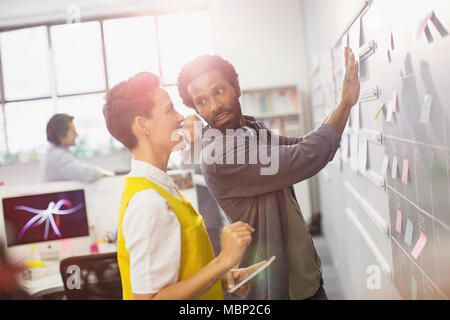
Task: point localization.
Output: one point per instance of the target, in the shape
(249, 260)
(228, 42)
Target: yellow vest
(196, 249)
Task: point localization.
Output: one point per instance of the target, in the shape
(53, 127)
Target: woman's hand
(233, 277)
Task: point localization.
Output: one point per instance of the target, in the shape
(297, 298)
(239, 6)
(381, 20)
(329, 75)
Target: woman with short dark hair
(164, 251)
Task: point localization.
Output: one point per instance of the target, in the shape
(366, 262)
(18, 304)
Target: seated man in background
(59, 164)
(215, 219)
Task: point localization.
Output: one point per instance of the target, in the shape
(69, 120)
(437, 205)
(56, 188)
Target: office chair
(91, 277)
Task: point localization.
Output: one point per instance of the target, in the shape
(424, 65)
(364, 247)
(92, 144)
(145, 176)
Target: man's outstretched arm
(350, 94)
(293, 163)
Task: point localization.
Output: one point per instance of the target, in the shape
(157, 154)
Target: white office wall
(325, 20)
(263, 39)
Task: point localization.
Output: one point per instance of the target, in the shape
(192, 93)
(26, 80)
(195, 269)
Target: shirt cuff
(330, 133)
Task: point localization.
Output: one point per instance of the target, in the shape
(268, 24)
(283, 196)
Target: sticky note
(424, 24)
(438, 24)
(355, 117)
(413, 288)
(354, 38)
(419, 245)
(65, 245)
(344, 147)
(390, 112)
(394, 168)
(426, 109)
(428, 34)
(391, 41)
(354, 152)
(385, 165)
(409, 232)
(395, 102)
(405, 171)
(398, 225)
(379, 112)
(94, 248)
(362, 155)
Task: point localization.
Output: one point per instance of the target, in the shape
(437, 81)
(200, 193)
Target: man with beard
(210, 85)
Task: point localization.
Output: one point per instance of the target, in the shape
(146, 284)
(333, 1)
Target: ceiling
(28, 12)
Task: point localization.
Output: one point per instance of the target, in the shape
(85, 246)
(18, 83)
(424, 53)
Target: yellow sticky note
(34, 264)
(379, 112)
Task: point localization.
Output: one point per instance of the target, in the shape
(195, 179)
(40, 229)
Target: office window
(78, 54)
(2, 137)
(26, 123)
(93, 137)
(130, 47)
(182, 38)
(71, 71)
(25, 63)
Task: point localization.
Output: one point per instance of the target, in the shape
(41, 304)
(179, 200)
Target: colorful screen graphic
(45, 217)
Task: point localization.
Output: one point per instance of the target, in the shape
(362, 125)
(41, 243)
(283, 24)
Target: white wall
(325, 21)
(263, 39)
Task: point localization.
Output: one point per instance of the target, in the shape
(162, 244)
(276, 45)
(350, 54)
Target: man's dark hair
(57, 127)
(201, 65)
(127, 100)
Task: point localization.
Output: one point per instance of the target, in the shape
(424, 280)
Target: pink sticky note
(65, 245)
(405, 171)
(398, 226)
(390, 40)
(94, 248)
(395, 102)
(419, 245)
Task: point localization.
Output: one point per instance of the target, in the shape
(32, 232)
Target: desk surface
(47, 279)
(43, 279)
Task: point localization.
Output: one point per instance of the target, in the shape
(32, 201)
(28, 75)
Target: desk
(47, 280)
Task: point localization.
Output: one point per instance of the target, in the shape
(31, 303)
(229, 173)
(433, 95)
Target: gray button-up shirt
(245, 194)
(59, 164)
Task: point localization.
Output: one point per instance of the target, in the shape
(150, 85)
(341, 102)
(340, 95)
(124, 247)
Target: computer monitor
(56, 212)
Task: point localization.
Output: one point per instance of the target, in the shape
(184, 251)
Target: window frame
(53, 81)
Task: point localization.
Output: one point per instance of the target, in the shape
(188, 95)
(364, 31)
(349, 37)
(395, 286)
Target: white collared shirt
(152, 233)
(59, 164)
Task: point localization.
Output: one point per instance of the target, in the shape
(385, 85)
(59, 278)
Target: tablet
(252, 275)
